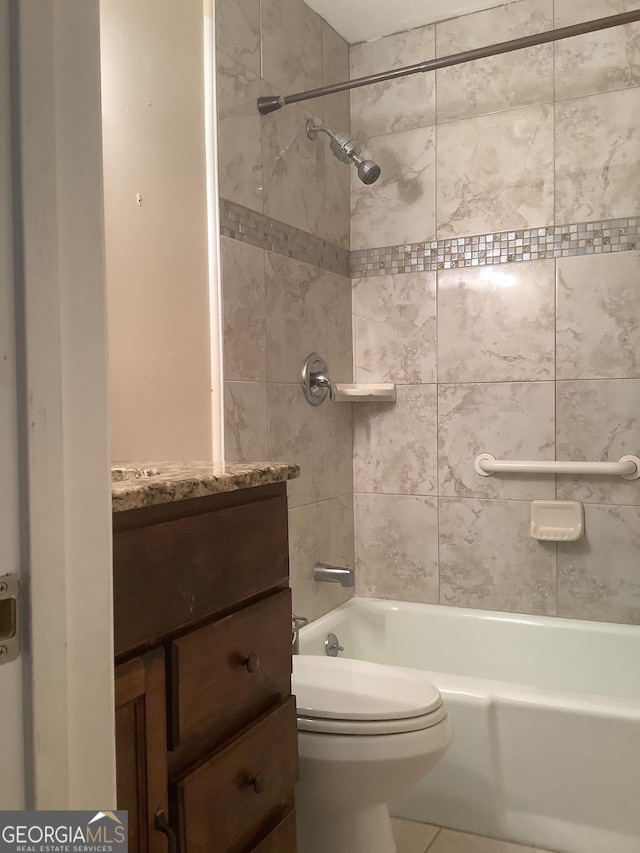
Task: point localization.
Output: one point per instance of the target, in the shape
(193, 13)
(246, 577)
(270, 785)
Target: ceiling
(366, 20)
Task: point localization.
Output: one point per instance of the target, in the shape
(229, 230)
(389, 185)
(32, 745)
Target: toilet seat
(371, 727)
(346, 696)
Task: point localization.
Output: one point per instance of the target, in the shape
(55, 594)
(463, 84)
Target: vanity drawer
(225, 804)
(173, 572)
(282, 839)
(217, 669)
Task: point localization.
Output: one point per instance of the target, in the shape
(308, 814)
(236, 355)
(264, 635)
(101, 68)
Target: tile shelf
(381, 392)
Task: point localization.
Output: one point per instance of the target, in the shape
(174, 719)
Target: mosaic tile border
(249, 226)
(497, 247)
(500, 247)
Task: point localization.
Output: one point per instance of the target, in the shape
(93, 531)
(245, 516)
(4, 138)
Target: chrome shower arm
(312, 130)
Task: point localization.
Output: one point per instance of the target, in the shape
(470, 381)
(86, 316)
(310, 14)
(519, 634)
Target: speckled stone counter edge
(141, 484)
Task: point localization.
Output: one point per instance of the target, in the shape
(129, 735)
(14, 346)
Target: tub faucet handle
(322, 380)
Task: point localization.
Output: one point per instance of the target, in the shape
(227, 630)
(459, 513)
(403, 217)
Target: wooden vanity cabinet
(206, 737)
(141, 748)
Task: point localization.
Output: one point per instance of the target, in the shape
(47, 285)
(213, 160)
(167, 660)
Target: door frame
(62, 388)
(12, 766)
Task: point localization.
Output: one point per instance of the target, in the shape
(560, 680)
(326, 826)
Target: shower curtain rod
(270, 103)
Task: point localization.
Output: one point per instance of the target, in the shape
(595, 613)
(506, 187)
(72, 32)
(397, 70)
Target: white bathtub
(545, 713)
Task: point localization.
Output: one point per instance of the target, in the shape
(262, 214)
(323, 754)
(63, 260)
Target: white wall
(156, 229)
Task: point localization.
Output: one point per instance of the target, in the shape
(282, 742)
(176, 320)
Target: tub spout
(333, 574)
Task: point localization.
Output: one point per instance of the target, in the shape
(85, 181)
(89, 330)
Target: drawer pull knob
(257, 782)
(251, 662)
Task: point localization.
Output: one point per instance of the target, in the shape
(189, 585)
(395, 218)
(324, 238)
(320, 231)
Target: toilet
(367, 733)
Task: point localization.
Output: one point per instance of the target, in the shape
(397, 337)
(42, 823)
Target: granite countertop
(140, 484)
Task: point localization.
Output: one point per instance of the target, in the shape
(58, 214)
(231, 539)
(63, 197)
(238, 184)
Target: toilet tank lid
(347, 689)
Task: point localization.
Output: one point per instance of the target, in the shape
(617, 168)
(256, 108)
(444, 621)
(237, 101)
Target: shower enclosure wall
(285, 270)
(494, 271)
(495, 280)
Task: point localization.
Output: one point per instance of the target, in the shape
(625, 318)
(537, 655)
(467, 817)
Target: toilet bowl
(366, 733)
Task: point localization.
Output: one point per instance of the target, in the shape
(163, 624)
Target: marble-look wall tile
(598, 326)
(598, 575)
(495, 172)
(488, 559)
(296, 322)
(596, 62)
(335, 69)
(394, 320)
(496, 324)
(298, 431)
(308, 310)
(341, 534)
(503, 179)
(500, 82)
(337, 313)
(337, 202)
(243, 291)
(598, 421)
(396, 105)
(339, 459)
(598, 156)
(511, 421)
(394, 444)
(291, 46)
(400, 206)
(309, 543)
(239, 134)
(294, 181)
(397, 547)
(245, 421)
(238, 31)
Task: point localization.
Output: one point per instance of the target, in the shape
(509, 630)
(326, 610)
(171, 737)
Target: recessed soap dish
(557, 521)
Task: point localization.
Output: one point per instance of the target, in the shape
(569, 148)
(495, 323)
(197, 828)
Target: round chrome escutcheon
(314, 365)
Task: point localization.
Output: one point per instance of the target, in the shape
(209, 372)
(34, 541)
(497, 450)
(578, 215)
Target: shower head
(346, 150)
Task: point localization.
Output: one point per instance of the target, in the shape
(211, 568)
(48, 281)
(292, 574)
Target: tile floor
(414, 837)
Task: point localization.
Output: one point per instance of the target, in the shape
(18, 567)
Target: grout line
(430, 845)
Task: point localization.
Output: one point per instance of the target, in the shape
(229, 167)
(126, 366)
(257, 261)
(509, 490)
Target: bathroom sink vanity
(206, 736)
